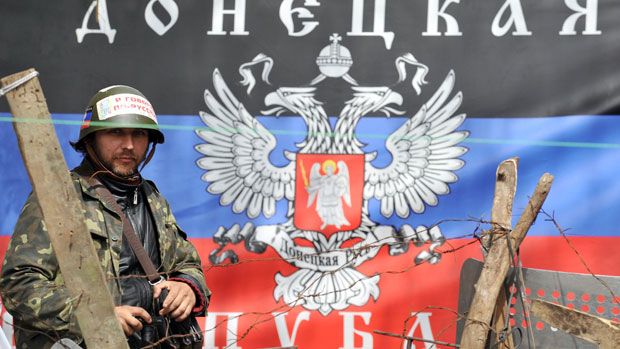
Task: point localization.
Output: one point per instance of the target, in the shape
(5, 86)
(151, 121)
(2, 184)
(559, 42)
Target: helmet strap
(101, 168)
(148, 157)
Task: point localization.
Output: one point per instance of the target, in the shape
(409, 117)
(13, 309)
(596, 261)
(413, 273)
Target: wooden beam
(501, 221)
(62, 213)
(495, 269)
(503, 199)
(594, 329)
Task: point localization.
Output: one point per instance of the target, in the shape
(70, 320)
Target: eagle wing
(236, 156)
(343, 171)
(425, 156)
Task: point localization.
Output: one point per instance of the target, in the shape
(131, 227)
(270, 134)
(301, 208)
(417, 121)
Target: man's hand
(180, 300)
(128, 317)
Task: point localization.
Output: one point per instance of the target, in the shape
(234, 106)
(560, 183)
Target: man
(119, 128)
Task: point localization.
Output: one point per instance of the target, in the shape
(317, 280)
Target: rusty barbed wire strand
(411, 339)
(551, 218)
(264, 316)
(302, 295)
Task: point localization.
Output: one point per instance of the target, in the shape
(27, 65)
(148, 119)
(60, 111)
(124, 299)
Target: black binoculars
(165, 333)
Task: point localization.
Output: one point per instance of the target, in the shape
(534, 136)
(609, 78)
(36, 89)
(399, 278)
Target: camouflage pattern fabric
(32, 286)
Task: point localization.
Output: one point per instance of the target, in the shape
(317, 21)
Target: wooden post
(501, 220)
(505, 189)
(495, 269)
(62, 213)
(594, 329)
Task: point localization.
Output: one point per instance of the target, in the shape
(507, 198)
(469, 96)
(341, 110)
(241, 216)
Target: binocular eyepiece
(172, 334)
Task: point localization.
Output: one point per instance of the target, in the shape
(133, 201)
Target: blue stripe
(581, 151)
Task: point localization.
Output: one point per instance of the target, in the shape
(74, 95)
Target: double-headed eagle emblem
(329, 181)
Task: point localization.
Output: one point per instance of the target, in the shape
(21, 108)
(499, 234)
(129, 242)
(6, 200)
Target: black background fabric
(544, 74)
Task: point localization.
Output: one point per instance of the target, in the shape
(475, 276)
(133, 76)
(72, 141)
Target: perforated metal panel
(578, 291)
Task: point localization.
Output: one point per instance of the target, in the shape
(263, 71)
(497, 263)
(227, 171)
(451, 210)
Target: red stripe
(248, 287)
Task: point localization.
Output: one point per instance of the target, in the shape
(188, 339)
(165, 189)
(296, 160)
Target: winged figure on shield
(329, 191)
(330, 179)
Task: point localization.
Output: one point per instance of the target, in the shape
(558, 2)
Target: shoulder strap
(128, 231)
(152, 185)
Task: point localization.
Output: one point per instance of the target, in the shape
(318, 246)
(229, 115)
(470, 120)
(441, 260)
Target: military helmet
(120, 106)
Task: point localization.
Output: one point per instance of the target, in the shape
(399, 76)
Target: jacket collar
(83, 172)
(85, 169)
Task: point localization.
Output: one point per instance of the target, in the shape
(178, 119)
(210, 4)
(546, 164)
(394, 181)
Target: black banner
(512, 58)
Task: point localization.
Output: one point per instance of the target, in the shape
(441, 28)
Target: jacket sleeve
(186, 266)
(30, 284)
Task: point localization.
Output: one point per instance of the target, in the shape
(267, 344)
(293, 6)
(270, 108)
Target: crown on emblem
(334, 60)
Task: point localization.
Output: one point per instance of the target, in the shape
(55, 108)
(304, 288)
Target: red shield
(328, 192)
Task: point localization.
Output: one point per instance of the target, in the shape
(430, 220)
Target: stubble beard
(120, 169)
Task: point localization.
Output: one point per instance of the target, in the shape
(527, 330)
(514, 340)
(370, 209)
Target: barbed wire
(260, 317)
(551, 218)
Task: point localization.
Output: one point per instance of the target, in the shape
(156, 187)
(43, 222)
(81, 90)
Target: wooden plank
(594, 329)
(501, 221)
(62, 212)
(495, 269)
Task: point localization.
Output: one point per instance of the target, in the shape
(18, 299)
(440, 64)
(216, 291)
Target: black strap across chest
(128, 231)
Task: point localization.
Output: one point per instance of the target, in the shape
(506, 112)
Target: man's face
(121, 150)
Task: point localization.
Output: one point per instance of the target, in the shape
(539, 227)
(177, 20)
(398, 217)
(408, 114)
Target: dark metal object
(582, 291)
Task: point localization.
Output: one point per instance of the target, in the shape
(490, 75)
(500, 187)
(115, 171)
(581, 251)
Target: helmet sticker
(122, 104)
(87, 117)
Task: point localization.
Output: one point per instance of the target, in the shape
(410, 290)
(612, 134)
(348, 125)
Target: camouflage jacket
(32, 286)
